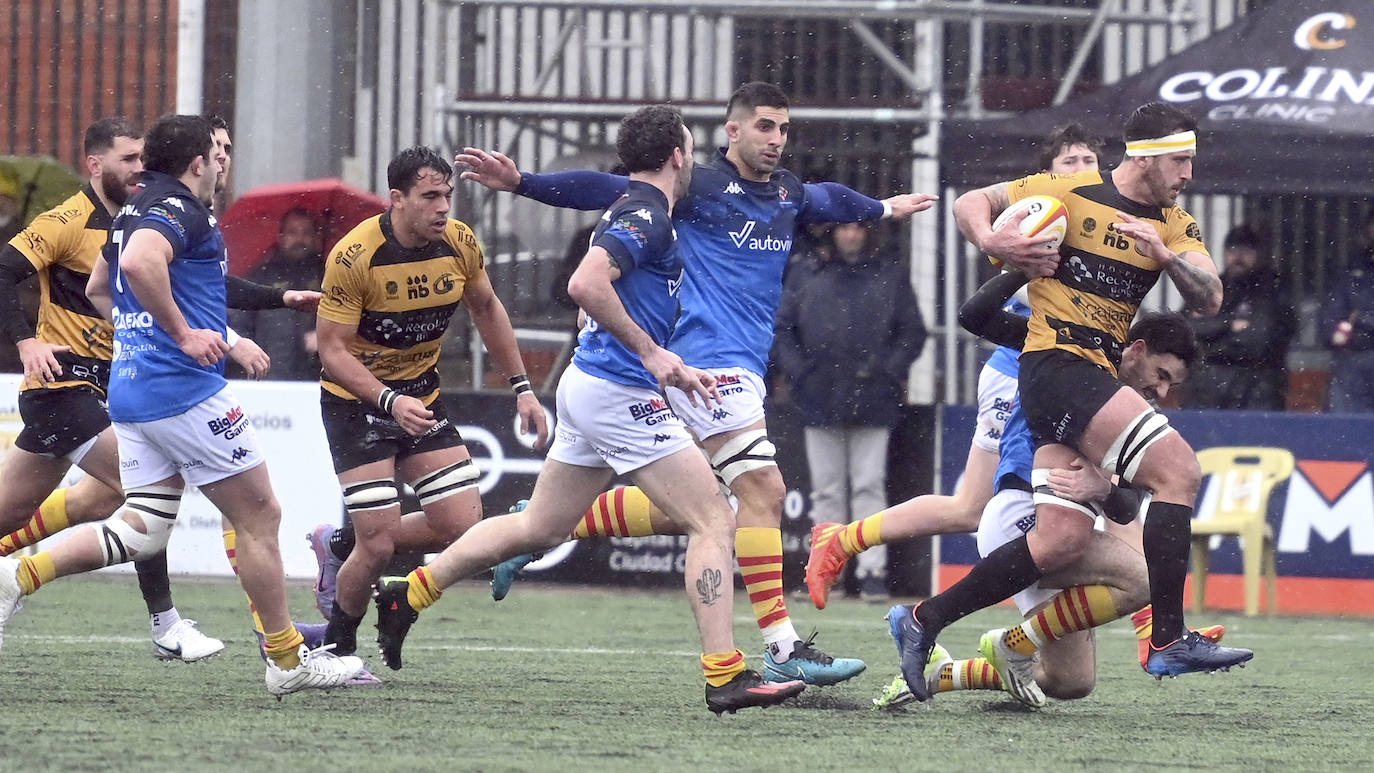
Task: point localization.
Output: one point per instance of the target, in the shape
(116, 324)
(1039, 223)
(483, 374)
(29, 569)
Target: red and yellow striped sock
(1072, 609)
(620, 512)
(423, 591)
(36, 570)
(47, 520)
(721, 667)
(972, 674)
(283, 647)
(759, 553)
(859, 536)
(231, 545)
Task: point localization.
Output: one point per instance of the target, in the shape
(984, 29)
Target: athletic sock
(47, 520)
(1005, 572)
(1072, 609)
(759, 553)
(423, 591)
(859, 536)
(342, 630)
(972, 674)
(721, 667)
(283, 647)
(1144, 623)
(620, 512)
(154, 583)
(163, 621)
(231, 552)
(1167, 540)
(341, 542)
(35, 571)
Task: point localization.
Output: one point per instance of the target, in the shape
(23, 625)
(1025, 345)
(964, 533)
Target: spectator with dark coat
(1246, 342)
(295, 261)
(848, 329)
(1348, 326)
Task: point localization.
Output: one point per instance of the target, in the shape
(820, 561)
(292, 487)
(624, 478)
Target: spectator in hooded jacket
(848, 329)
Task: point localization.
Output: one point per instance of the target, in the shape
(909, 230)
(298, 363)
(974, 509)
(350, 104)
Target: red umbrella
(250, 225)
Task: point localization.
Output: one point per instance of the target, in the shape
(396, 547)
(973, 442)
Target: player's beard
(113, 187)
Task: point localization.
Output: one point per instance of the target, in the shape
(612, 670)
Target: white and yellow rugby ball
(1036, 216)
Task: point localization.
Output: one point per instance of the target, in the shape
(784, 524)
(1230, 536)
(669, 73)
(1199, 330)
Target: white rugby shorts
(208, 443)
(741, 393)
(996, 396)
(605, 424)
(1009, 515)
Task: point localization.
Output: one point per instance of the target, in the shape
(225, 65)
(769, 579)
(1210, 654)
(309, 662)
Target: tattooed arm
(1193, 272)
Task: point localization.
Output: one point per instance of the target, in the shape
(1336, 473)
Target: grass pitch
(593, 679)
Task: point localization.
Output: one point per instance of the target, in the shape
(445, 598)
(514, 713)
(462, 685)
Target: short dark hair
(1157, 119)
(751, 96)
(1063, 137)
(648, 136)
(100, 136)
(217, 123)
(1245, 237)
(175, 141)
(404, 170)
(1166, 333)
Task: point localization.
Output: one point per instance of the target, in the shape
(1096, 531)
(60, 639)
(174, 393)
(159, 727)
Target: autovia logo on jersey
(770, 243)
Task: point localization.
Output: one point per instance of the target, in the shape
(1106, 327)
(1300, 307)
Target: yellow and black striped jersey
(1088, 305)
(62, 244)
(400, 300)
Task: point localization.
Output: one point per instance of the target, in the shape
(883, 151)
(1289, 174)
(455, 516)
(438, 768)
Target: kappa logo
(734, 188)
(239, 454)
(661, 438)
(177, 204)
(739, 237)
(719, 414)
(645, 215)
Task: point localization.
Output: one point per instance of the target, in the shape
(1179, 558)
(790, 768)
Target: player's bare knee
(1069, 687)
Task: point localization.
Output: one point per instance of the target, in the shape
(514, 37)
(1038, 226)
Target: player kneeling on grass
(614, 420)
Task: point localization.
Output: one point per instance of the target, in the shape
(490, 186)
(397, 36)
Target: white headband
(1174, 143)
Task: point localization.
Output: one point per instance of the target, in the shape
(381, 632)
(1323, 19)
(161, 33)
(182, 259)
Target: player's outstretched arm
(494, 326)
(975, 211)
(576, 189)
(828, 202)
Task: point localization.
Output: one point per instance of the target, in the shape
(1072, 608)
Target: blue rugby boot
(810, 665)
(914, 646)
(504, 574)
(1192, 653)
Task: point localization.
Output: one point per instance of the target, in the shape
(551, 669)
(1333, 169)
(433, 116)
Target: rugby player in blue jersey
(737, 227)
(161, 281)
(613, 420)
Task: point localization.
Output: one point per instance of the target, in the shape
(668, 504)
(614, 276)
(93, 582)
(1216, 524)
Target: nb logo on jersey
(1116, 240)
(740, 236)
(734, 188)
(416, 287)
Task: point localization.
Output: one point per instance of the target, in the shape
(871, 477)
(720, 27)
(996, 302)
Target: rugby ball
(1037, 216)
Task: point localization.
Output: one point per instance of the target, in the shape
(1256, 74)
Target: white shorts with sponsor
(605, 424)
(208, 443)
(1008, 515)
(741, 393)
(996, 396)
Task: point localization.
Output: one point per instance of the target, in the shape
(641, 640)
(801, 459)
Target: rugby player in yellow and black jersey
(1125, 229)
(390, 288)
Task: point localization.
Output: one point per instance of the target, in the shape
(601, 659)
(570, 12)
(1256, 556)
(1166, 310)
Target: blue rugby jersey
(1016, 452)
(151, 378)
(736, 236)
(638, 232)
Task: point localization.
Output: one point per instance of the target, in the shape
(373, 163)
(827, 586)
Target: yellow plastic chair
(1243, 476)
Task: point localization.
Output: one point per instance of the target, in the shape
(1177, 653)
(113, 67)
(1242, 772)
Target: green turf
(590, 680)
